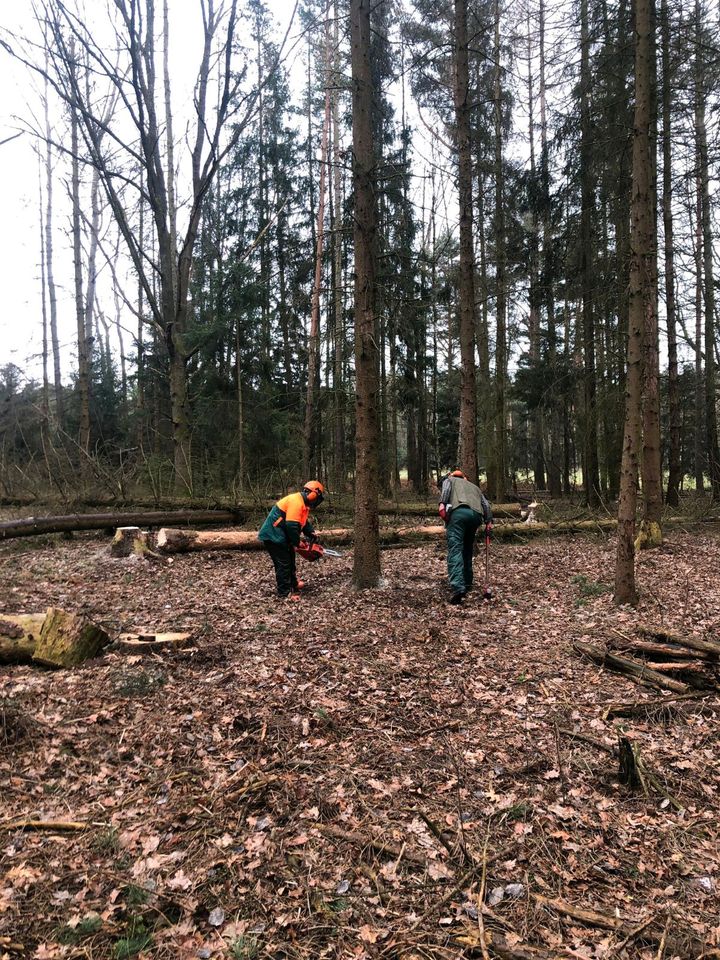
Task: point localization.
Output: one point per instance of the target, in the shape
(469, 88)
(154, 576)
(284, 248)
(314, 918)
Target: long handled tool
(487, 589)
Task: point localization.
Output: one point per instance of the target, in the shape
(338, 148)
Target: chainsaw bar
(327, 552)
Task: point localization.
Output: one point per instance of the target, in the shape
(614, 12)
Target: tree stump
(19, 634)
(67, 639)
(128, 540)
(143, 643)
(629, 772)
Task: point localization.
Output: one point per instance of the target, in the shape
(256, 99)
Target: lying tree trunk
(635, 670)
(708, 648)
(659, 709)
(33, 526)
(18, 636)
(183, 541)
(660, 650)
(67, 639)
(180, 541)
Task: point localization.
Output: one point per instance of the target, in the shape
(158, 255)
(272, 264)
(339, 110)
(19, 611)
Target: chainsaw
(314, 551)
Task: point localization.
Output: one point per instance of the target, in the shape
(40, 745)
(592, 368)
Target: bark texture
(366, 568)
(466, 282)
(643, 269)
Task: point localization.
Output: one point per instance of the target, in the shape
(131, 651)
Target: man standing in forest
(463, 508)
(281, 532)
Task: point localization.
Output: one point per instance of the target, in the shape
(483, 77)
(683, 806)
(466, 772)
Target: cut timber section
(38, 526)
(181, 541)
(143, 643)
(19, 635)
(54, 639)
(67, 639)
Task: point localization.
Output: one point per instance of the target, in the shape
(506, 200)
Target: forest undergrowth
(376, 775)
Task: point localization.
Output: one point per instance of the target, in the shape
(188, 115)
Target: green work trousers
(461, 529)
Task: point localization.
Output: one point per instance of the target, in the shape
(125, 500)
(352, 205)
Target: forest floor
(376, 775)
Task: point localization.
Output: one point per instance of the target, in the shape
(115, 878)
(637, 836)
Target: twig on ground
(50, 826)
(481, 898)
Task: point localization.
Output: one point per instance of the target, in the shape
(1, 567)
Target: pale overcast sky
(20, 303)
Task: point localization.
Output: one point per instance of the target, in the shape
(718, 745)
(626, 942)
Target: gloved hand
(442, 510)
(488, 531)
(312, 538)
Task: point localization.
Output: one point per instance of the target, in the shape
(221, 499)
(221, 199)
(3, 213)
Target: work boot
(458, 596)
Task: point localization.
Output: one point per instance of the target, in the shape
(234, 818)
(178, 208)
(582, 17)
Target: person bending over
(281, 532)
(463, 508)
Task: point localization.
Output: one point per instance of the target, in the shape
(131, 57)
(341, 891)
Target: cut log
(19, 634)
(142, 643)
(181, 541)
(707, 647)
(34, 526)
(128, 540)
(660, 650)
(634, 669)
(67, 639)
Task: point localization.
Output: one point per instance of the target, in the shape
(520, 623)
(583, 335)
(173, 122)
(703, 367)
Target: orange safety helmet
(458, 473)
(314, 491)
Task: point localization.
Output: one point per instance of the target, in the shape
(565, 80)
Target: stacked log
(679, 663)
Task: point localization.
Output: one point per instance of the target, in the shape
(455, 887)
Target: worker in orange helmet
(281, 532)
(463, 508)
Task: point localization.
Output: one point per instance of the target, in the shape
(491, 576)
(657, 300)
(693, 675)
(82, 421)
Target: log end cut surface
(67, 639)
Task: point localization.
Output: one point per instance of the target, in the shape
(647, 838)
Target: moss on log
(67, 639)
(19, 634)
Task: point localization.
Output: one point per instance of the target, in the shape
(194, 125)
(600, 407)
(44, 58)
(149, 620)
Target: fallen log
(35, 526)
(67, 639)
(709, 648)
(660, 650)
(181, 541)
(648, 709)
(19, 634)
(634, 669)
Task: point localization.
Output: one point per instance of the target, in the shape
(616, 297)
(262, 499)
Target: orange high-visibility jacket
(286, 521)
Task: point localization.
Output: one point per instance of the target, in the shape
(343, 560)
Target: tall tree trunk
(366, 562)
(712, 453)
(591, 473)
(140, 359)
(642, 297)
(240, 413)
(650, 530)
(536, 420)
(500, 467)
(310, 459)
(83, 342)
(699, 408)
(466, 278)
(674, 461)
(169, 144)
(555, 441)
(338, 297)
(43, 292)
(52, 293)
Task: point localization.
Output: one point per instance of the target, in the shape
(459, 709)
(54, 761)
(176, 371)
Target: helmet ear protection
(313, 491)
